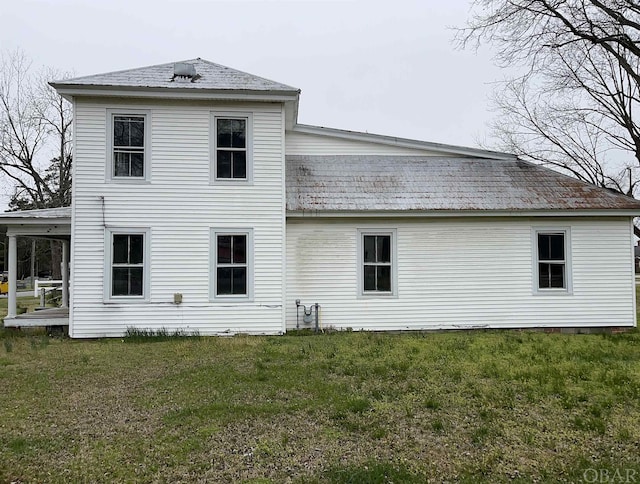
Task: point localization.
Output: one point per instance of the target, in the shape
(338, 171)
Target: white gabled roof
(209, 76)
(445, 149)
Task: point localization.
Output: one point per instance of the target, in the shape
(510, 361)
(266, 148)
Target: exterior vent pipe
(182, 69)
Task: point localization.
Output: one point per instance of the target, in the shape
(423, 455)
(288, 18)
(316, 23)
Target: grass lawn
(342, 407)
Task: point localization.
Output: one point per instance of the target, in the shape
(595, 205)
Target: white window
(232, 147)
(377, 268)
(551, 260)
(128, 145)
(232, 267)
(127, 264)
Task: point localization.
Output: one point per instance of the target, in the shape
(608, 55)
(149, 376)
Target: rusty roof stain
(416, 183)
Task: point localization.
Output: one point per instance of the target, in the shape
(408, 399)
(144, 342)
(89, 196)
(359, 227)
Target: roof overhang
(386, 214)
(290, 99)
(52, 223)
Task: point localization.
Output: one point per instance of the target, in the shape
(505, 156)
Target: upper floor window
(128, 140)
(552, 260)
(232, 147)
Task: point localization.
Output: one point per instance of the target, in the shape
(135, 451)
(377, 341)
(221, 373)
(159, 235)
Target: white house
(199, 203)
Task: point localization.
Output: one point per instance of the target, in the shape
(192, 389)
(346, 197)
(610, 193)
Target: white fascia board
(403, 142)
(459, 213)
(176, 93)
(19, 221)
(48, 230)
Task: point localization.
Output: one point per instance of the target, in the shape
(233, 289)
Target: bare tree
(574, 105)
(35, 143)
(35, 135)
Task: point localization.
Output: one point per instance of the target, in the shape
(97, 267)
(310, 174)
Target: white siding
(179, 206)
(311, 144)
(462, 273)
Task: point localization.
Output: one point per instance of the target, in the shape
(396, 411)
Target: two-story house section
(178, 214)
(201, 204)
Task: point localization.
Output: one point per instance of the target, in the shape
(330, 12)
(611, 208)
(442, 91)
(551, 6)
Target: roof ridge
(246, 73)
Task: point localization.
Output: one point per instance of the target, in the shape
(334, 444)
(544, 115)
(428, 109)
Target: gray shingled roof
(209, 76)
(400, 183)
(42, 213)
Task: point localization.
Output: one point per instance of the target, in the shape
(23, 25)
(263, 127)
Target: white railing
(47, 285)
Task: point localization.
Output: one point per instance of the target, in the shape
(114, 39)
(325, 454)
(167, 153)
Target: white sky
(378, 66)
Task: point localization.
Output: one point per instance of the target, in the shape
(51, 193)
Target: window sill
(552, 292)
(129, 180)
(231, 299)
(115, 301)
(232, 181)
(376, 295)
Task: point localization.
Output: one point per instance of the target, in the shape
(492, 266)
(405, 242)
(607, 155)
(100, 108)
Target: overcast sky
(378, 66)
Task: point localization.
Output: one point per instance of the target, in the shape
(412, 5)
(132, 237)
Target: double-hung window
(377, 266)
(232, 264)
(232, 157)
(129, 145)
(552, 261)
(127, 264)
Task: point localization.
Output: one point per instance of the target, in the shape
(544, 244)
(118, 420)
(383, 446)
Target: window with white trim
(552, 267)
(127, 262)
(232, 264)
(232, 157)
(377, 271)
(128, 146)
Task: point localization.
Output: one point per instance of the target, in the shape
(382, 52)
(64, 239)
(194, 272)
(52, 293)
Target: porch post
(65, 274)
(13, 277)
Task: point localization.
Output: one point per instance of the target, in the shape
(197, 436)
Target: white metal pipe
(65, 274)
(13, 277)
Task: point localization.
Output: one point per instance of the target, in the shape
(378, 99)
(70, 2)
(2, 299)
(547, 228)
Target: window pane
(238, 136)
(224, 249)
(239, 280)
(384, 248)
(239, 249)
(136, 250)
(120, 249)
(557, 275)
(543, 247)
(239, 164)
(543, 276)
(121, 164)
(223, 169)
(223, 281)
(120, 132)
(369, 248)
(384, 278)
(137, 164)
(120, 281)
(369, 278)
(224, 133)
(135, 281)
(556, 247)
(136, 132)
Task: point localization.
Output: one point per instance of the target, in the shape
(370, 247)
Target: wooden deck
(44, 317)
